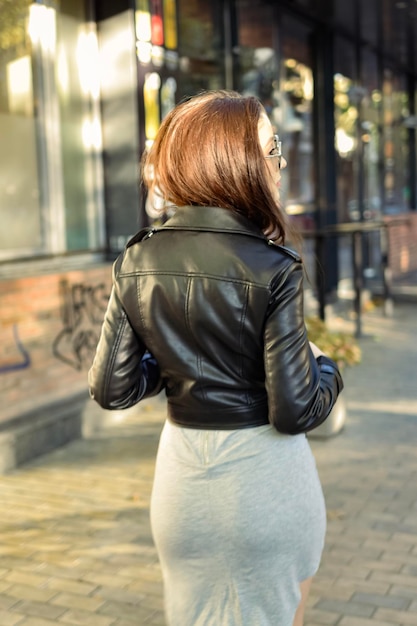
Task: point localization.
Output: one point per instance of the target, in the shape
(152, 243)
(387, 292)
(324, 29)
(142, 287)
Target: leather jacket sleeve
(301, 390)
(123, 371)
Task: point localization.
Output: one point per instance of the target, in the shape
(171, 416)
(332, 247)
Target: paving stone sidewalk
(75, 543)
(368, 576)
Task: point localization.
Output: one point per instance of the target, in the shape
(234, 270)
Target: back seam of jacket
(189, 326)
(153, 272)
(241, 334)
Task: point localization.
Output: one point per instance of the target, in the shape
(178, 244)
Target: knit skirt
(238, 519)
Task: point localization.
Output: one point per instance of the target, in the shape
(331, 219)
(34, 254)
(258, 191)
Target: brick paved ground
(75, 545)
(368, 575)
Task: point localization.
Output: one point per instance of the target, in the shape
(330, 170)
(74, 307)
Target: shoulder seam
(287, 251)
(144, 233)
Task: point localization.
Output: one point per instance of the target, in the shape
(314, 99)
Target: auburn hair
(207, 153)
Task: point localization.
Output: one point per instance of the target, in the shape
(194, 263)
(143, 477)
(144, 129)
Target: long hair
(207, 153)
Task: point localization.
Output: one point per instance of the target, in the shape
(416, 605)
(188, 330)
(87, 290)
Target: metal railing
(356, 232)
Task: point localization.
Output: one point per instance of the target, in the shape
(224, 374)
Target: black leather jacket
(220, 308)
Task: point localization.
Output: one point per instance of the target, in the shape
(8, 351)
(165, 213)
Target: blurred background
(84, 86)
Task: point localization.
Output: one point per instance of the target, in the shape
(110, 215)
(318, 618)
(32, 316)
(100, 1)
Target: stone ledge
(39, 431)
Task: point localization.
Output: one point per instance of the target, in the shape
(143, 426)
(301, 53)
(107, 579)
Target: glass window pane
(77, 80)
(72, 110)
(296, 93)
(200, 46)
(119, 101)
(285, 86)
(371, 107)
(396, 168)
(395, 21)
(344, 14)
(19, 188)
(258, 65)
(369, 20)
(346, 101)
(49, 160)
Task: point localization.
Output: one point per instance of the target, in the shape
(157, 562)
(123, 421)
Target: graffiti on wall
(82, 313)
(22, 359)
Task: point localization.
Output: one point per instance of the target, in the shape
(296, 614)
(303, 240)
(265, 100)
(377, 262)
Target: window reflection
(346, 116)
(19, 189)
(80, 139)
(285, 86)
(200, 46)
(347, 97)
(42, 27)
(156, 47)
(370, 136)
(296, 123)
(50, 179)
(395, 148)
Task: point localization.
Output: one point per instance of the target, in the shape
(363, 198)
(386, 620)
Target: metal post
(386, 272)
(357, 278)
(320, 277)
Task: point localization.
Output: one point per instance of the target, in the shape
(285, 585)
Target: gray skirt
(238, 519)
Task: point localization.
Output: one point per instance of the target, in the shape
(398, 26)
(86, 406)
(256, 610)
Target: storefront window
(395, 17)
(371, 107)
(20, 193)
(180, 51)
(296, 93)
(370, 17)
(395, 147)
(121, 122)
(258, 64)
(78, 93)
(259, 68)
(345, 14)
(50, 197)
(201, 47)
(347, 97)
(285, 87)
(157, 52)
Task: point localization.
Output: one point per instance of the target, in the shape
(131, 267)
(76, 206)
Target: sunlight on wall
(91, 133)
(42, 27)
(19, 83)
(88, 63)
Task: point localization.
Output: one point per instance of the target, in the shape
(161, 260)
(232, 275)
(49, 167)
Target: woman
(210, 307)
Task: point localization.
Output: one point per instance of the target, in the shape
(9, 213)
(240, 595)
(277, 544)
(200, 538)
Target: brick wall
(49, 328)
(402, 244)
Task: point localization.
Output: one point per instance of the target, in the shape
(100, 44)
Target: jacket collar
(214, 219)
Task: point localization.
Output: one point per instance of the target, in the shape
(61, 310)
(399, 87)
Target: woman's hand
(316, 351)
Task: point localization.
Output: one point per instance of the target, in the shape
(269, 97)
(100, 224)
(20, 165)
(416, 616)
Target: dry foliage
(339, 346)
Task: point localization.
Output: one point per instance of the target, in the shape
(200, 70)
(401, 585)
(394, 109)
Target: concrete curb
(39, 431)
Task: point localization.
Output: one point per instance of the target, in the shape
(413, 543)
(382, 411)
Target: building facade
(83, 88)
